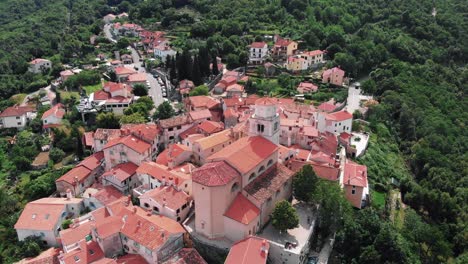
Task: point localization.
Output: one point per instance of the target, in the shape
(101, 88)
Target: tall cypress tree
(196, 73)
(214, 70)
(204, 61)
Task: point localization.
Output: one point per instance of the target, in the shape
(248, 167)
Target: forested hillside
(413, 51)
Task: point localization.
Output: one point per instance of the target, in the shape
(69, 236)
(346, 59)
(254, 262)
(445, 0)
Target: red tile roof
(186, 256)
(88, 139)
(77, 174)
(326, 142)
(101, 95)
(216, 173)
(156, 171)
(210, 127)
(124, 70)
(327, 107)
(93, 161)
(49, 256)
(174, 121)
(167, 196)
(355, 174)
(246, 153)
(56, 110)
(235, 88)
(339, 116)
(171, 152)
(147, 132)
(119, 99)
(186, 84)
(310, 131)
(75, 233)
(258, 45)
(137, 77)
(331, 71)
(130, 141)
(230, 113)
(43, 214)
(131, 259)
(17, 111)
(107, 195)
(203, 101)
(314, 52)
(87, 252)
(200, 114)
(250, 250)
(242, 210)
(265, 101)
(107, 134)
(307, 87)
(122, 171)
(267, 184)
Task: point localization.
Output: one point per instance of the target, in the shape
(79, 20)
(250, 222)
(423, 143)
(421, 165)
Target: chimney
(171, 181)
(163, 182)
(129, 200)
(134, 209)
(69, 194)
(176, 182)
(149, 213)
(125, 90)
(263, 249)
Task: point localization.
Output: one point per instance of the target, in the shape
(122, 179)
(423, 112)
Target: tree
(164, 111)
(66, 224)
(135, 118)
(123, 43)
(199, 90)
(196, 74)
(107, 120)
(305, 183)
(140, 89)
(204, 61)
(214, 66)
(284, 216)
(56, 154)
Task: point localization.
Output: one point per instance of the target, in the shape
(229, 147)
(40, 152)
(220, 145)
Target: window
(262, 168)
(156, 209)
(19, 123)
(179, 127)
(252, 176)
(111, 152)
(186, 185)
(212, 150)
(136, 244)
(171, 128)
(276, 126)
(353, 191)
(270, 162)
(235, 187)
(277, 193)
(91, 252)
(260, 128)
(45, 121)
(178, 211)
(76, 258)
(290, 128)
(178, 219)
(146, 205)
(18, 117)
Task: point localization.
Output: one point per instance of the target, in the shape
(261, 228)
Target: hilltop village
(209, 175)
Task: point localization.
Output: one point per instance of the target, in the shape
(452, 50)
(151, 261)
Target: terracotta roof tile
(75, 233)
(248, 251)
(355, 174)
(157, 171)
(107, 195)
(214, 174)
(203, 101)
(168, 196)
(339, 116)
(200, 114)
(130, 141)
(210, 127)
(246, 153)
(106, 134)
(122, 171)
(101, 95)
(87, 252)
(174, 121)
(77, 174)
(186, 256)
(56, 110)
(242, 210)
(93, 161)
(49, 256)
(266, 185)
(214, 140)
(124, 70)
(171, 152)
(17, 111)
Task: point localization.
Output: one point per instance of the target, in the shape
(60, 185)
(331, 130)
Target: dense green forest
(414, 52)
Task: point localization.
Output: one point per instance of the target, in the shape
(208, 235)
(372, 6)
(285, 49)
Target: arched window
(270, 162)
(262, 168)
(252, 176)
(235, 187)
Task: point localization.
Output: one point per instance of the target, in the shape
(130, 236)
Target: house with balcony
(258, 52)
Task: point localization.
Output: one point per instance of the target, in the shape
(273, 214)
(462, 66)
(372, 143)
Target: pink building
(355, 184)
(167, 200)
(305, 87)
(334, 76)
(122, 177)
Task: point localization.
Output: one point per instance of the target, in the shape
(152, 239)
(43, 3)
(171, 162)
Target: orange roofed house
(283, 48)
(82, 176)
(17, 116)
(53, 117)
(43, 218)
(355, 184)
(125, 228)
(236, 190)
(334, 76)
